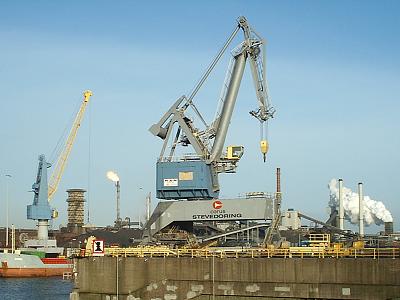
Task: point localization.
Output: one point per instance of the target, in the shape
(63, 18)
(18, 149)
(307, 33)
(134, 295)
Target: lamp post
(9, 176)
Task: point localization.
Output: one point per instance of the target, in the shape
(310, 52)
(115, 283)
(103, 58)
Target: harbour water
(35, 288)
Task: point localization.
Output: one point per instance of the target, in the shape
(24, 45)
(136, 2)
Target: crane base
(238, 209)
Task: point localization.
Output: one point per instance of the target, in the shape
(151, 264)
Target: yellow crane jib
(62, 159)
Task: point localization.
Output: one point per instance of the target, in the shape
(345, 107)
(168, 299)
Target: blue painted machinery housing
(40, 209)
(185, 180)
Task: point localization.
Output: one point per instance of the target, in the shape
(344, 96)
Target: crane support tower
(195, 177)
(40, 209)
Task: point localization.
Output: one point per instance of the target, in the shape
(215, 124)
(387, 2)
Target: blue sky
(333, 72)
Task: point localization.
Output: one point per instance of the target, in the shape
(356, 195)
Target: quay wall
(173, 278)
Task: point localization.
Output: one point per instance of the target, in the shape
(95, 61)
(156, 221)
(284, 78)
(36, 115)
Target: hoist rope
(89, 163)
(55, 154)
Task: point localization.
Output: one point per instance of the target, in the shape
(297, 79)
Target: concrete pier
(134, 278)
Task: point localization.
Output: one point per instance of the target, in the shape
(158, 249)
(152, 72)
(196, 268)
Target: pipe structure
(361, 209)
(341, 210)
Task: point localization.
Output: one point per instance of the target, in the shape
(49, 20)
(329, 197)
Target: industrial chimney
(361, 209)
(341, 210)
(118, 203)
(278, 194)
(115, 178)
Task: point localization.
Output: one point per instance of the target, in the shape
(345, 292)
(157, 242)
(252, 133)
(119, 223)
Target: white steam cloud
(374, 211)
(112, 176)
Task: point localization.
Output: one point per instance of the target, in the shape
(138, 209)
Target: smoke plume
(374, 211)
(112, 176)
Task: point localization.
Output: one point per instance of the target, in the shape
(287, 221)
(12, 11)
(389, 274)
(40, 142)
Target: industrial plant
(196, 244)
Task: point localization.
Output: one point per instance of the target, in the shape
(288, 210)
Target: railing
(67, 276)
(292, 252)
(320, 238)
(186, 157)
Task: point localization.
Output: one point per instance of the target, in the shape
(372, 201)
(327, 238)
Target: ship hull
(21, 265)
(33, 272)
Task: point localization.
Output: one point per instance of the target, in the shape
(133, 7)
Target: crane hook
(264, 143)
(264, 148)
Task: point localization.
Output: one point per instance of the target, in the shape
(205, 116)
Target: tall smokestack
(278, 194)
(361, 209)
(118, 199)
(114, 178)
(278, 180)
(341, 210)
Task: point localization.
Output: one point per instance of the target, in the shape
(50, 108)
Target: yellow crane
(62, 159)
(40, 208)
